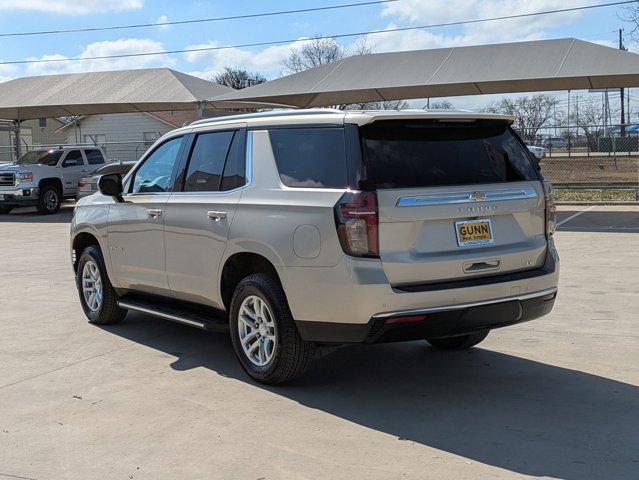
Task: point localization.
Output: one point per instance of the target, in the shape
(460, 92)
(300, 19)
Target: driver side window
(155, 174)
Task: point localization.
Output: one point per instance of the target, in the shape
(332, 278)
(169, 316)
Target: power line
(323, 37)
(196, 20)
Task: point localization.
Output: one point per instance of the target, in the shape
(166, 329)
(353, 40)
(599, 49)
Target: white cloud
(267, 61)
(72, 7)
(7, 72)
(163, 19)
(424, 12)
(122, 46)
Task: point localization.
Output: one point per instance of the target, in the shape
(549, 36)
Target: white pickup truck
(43, 178)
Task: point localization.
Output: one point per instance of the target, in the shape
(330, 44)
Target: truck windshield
(40, 157)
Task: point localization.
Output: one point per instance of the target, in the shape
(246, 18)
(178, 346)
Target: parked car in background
(43, 178)
(298, 230)
(89, 185)
(538, 152)
(554, 143)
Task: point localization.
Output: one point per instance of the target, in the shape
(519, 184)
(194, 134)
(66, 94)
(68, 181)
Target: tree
(631, 14)
(441, 105)
(320, 51)
(238, 78)
(314, 53)
(531, 113)
(590, 119)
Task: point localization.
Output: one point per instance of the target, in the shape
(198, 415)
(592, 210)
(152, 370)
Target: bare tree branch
(531, 113)
(321, 51)
(238, 78)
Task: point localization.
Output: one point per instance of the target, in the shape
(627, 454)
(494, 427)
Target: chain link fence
(589, 162)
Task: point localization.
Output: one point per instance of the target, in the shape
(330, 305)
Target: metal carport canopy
(544, 65)
(154, 89)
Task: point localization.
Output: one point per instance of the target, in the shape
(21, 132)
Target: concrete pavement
(149, 399)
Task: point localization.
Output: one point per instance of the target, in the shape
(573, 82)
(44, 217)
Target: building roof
(543, 65)
(147, 90)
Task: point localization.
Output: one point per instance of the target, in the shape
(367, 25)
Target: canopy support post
(199, 109)
(16, 132)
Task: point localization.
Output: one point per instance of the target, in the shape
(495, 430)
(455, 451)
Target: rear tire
(49, 199)
(285, 355)
(4, 209)
(97, 296)
(459, 343)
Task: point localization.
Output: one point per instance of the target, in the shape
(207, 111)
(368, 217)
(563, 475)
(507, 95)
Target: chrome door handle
(215, 215)
(154, 212)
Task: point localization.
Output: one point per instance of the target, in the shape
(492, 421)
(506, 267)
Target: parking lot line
(575, 215)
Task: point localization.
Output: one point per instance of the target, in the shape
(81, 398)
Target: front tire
(4, 209)
(97, 296)
(263, 332)
(49, 200)
(462, 342)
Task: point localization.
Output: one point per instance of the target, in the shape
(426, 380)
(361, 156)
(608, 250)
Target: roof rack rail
(270, 113)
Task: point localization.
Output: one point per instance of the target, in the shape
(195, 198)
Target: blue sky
(598, 25)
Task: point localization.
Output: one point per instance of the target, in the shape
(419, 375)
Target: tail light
(551, 209)
(357, 225)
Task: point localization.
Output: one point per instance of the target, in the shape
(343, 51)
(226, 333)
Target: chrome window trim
(248, 174)
(465, 197)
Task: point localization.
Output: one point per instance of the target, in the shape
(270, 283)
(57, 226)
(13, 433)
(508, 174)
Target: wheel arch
(80, 242)
(240, 265)
(52, 181)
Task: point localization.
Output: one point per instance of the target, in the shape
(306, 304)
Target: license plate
(471, 233)
(1, 197)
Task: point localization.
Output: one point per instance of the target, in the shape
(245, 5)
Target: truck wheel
(4, 209)
(263, 332)
(97, 296)
(459, 343)
(49, 199)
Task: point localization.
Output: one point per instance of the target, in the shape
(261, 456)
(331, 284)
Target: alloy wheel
(92, 286)
(51, 199)
(257, 331)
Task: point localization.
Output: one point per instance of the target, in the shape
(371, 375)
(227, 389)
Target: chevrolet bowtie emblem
(477, 196)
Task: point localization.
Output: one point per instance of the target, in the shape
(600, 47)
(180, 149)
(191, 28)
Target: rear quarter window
(94, 157)
(417, 154)
(310, 157)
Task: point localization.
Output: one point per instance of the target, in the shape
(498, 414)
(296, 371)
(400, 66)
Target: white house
(33, 133)
(125, 136)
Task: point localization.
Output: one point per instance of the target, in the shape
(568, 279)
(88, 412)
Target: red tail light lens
(357, 225)
(551, 209)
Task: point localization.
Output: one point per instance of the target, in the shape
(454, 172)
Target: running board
(193, 315)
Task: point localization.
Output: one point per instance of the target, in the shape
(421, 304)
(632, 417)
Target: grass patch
(594, 195)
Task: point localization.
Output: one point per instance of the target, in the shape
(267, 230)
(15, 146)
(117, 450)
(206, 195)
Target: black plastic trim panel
(448, 323)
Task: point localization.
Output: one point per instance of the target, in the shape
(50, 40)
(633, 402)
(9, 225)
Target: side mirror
(111, 185)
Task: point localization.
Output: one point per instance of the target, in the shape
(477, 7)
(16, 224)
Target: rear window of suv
(415, 154)
(310, 157)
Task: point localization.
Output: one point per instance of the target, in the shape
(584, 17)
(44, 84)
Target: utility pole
(621, 90)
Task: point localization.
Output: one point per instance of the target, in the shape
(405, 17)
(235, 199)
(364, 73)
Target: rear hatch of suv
(456, 199)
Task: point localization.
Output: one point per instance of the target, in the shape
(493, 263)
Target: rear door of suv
(456, 200)
(199, 213)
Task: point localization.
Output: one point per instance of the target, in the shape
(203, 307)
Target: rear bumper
(342, 304)
(433, 322)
